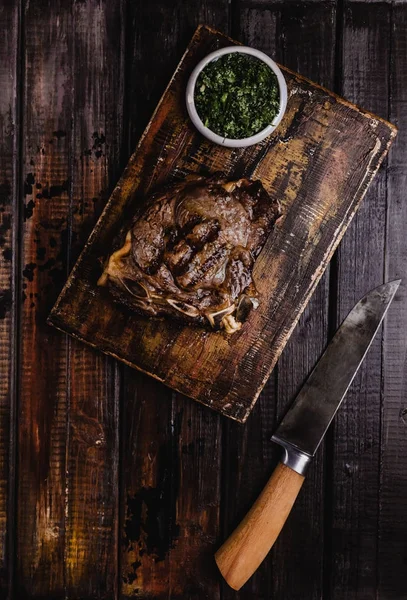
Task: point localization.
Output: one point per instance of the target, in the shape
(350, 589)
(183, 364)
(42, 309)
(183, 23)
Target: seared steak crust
(190, 254)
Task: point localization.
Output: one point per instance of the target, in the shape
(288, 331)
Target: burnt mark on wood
(7, 254)
(99, 141)
(28, 184)
(54, 190)
(28, 210)
(28, 271)
(5, 193)
(5, 303)
(150, 527)
(131, 577)
(5, 226)
(41, 252)
(59, 134)
(151, 513)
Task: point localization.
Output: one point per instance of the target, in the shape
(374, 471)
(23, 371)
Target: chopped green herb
(237, 95)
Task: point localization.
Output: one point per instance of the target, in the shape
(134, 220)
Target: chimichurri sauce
(237, 95)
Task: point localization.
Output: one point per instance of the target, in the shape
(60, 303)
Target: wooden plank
(93, 445)
(294, 570)
(150, 485)
(71, 520)
(149, 467)
(9, 25)
(308, 46)
(393, 482)
(171, 495)
(326, 142)
(354, 476)
(170, 446)
(193, 573)
(42, 426)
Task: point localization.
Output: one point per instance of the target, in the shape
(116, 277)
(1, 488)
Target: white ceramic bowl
(214, 137)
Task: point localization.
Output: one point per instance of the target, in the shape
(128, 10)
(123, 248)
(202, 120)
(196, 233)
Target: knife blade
(300, 434)
(306, 422)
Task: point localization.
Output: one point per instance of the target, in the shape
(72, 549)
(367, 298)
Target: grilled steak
(190, 254)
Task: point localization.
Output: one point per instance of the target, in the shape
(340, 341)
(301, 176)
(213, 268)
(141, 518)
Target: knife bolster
(292, 457)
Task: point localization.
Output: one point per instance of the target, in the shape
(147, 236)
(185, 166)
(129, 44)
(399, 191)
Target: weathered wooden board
(68, 454)
(9, 20)
(92, 444)
(392, 523)
(42, 402)
(352, 478)
(319, 163)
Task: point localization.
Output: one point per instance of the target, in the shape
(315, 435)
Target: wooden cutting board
(319, 163)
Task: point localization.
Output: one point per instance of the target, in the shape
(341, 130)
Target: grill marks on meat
(190, 255)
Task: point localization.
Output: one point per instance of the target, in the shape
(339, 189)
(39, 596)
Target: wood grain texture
(192, 569)
(9, 24)
(392, 527)
(308, 45)
(171, 502)
(42, 426)
(150, 484)
(313, 144)
(356, 429)
(171, 491)
(68, 425)
(92, 445)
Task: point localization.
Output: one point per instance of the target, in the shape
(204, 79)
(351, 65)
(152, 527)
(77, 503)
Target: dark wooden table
(111, 486)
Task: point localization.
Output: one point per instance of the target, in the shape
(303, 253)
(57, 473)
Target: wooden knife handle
(251, 541)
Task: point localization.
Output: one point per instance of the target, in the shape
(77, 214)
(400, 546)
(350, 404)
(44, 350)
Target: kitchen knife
(300, 434)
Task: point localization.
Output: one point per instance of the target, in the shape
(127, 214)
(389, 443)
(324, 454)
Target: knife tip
(394, 284)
